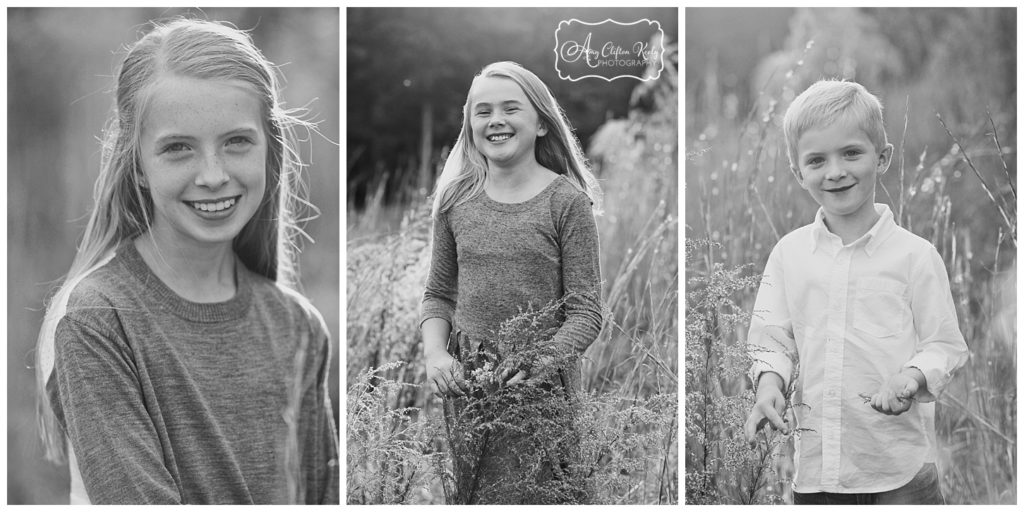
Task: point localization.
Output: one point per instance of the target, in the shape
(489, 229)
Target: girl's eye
(239, 140)
(483, 112)
(175, 147)
(512, 109)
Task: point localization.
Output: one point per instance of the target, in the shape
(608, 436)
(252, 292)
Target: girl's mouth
(499, 137)
(215, 206)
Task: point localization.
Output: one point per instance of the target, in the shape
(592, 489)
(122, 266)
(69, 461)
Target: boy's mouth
(840, 189)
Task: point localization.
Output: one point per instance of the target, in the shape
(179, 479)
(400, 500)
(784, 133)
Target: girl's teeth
(214, 207)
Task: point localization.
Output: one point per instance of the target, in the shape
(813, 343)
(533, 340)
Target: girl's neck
(515, 185)
(198, 274)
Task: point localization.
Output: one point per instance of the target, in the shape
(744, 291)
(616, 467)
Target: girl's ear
(542, 129)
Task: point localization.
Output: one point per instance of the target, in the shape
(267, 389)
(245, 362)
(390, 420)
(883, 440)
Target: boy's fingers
(776, 421)
(750, 427)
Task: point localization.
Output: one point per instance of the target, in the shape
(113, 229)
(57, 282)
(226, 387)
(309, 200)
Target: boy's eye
(817, 160)
(852, 152)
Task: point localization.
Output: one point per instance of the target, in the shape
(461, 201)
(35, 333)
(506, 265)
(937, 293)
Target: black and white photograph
(173, 256)
(850, 256)
(512, 256)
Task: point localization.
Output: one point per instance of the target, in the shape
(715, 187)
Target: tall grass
(742, 199)
(626, 413)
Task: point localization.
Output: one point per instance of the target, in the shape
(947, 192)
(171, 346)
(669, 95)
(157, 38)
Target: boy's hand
(897, 395)
(769, 406)
(445, 373)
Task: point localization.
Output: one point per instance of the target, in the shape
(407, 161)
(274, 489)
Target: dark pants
(922, 490)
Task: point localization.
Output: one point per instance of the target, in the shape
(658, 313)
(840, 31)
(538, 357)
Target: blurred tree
(409, 71)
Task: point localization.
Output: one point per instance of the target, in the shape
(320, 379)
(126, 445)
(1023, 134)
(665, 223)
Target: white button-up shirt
(852, 316)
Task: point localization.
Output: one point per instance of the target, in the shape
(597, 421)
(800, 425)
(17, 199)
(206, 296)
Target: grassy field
(397, 449)
(952, 182)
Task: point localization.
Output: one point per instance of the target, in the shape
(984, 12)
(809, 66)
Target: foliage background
(743, 67)
(59, 70)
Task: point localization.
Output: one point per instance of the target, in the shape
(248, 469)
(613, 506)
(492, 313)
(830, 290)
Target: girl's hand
(445, 373)
(514, 377)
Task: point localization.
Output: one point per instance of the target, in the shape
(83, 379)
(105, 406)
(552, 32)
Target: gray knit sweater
(490, 260)
(170, 401)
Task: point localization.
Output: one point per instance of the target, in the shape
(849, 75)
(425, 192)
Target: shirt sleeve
(441, 292)
(101, 408)
(320, 453)
(581, 275)
(941, 348)
(770, 341)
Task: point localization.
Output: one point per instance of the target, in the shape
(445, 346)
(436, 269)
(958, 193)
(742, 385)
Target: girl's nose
(497, 120)
(211, 173)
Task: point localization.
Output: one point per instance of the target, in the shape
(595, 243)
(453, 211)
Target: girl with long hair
(513, 229)
(177, 362)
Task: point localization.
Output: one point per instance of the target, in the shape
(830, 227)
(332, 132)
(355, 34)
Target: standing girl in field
(513, 229)
(176, 363)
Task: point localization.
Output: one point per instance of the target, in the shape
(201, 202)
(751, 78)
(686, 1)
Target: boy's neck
(198, 274)
(849, 228)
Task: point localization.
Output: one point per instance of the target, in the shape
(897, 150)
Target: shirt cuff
(771, 362)
(935, 375)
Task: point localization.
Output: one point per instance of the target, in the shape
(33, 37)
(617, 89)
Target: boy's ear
(796, 173)
(884, 159)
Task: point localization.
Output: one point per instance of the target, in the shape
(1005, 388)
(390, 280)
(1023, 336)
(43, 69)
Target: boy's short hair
(826, 102)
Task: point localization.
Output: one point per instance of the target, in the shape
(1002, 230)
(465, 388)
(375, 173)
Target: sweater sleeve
(441, 292)
(320, 453)
(581, 275)
(101, 408)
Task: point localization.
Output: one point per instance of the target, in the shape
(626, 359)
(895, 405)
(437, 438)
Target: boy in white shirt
(864, 307)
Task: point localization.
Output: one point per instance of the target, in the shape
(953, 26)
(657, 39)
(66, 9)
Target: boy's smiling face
(839, 165)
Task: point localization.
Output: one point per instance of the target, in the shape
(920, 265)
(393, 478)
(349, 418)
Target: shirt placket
(831, 406)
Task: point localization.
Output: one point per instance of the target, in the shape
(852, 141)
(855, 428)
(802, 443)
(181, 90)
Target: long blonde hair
(123, 209)
(559, 150)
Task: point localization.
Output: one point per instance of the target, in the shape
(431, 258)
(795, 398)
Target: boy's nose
(834, 171)
(211, 173)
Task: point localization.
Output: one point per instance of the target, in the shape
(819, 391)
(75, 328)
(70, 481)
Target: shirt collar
(870, 240)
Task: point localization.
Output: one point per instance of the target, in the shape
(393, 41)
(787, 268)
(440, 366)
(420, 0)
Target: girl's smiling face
(504, 123)
(203, 154)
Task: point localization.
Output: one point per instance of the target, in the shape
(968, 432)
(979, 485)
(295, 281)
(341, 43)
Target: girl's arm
(581, 275)
(439, 300)
(320, 457)
(105, 418)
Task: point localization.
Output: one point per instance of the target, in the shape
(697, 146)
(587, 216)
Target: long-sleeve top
(164, 400)
(491, 260)
(853, 316)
